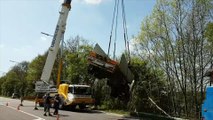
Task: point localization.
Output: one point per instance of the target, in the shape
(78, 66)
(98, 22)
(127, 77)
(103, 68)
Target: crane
(43, 85)
(59, 33)
(71, 95)
(101, 66)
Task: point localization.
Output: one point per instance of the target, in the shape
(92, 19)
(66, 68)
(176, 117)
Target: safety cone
(18, 108)
(57, 117)
(7, 104)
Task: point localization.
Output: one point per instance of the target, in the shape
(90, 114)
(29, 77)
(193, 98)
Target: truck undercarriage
(118, 74)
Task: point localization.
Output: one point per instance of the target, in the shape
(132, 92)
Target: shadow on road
(83, 111)
(132, 118)
(63, 115)
(86, 111)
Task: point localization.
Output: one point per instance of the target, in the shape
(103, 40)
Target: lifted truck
(118, 73)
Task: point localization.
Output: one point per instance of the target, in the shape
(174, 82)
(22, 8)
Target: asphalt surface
(10, 110)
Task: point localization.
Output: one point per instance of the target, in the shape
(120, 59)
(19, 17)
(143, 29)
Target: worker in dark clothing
(22, 99)
(36, 101)
(47, 104)
(56, 104)
(44, 99)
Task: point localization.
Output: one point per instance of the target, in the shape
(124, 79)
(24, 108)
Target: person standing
(22, 99)
(56, 104)
(47, 104)
(36, 101)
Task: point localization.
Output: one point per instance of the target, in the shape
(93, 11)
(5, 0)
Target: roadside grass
(115, 111)
(140, 115)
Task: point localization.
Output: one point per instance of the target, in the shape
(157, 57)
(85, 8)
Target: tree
(76, 61)
(149, 83)
(2, 79)
(15, 80)
(209, 37)
(34, 72)
(209, 31)
(173, 38)
(10, 85)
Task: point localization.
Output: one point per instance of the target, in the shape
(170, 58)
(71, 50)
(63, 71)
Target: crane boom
(59, 32)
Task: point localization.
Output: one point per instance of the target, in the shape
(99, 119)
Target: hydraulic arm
(59, 32)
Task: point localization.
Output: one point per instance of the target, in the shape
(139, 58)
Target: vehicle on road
(75, 95)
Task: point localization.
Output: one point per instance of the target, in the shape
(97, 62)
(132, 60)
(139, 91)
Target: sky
(22, 21)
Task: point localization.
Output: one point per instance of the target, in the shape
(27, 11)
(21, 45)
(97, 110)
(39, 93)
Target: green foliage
(2, 79)
(148, 83)
(172, 39)
(209, 32)
(8, 87)
(76, 61)
(114, 104)
(101, 91)
(15, 81)
(35, 68)
(34, 73)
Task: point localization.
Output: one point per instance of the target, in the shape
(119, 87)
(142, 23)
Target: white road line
(38, 118)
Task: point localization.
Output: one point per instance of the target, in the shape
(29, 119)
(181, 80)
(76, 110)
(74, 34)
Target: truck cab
(73, 95)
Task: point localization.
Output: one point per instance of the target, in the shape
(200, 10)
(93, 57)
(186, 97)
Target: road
(9, 110)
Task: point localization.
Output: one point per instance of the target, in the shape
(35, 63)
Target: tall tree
(15, 80)
(173, 38)
(75, 59)
(149, 84)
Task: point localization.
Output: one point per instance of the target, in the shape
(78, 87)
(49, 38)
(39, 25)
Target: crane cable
(114, 19)
(125, 30)
(114, 27)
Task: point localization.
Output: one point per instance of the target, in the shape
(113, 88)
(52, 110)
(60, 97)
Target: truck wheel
(82, 106)
(72, 107)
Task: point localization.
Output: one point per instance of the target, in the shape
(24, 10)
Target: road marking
(38, 118)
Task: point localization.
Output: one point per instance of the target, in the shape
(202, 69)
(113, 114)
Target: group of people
(47, 104)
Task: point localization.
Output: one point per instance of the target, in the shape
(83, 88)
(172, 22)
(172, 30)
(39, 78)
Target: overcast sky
(22, 21)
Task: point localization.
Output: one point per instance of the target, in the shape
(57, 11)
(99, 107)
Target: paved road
(9, 110)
